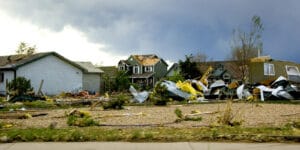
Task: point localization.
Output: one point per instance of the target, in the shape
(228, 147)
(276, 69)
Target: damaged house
(144, 70)
(57, 73)
(259, 69)
(270, 69)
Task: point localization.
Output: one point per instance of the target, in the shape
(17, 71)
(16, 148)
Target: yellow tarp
(186, 86)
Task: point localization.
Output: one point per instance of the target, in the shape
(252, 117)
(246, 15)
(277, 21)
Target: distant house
(58, 73)
(264, 69)
(144, 70)
(259, 69)
(175, 68)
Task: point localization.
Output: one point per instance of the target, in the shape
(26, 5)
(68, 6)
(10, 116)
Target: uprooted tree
(246, 45)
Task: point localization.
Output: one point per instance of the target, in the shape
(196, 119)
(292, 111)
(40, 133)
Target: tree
(23, 48)
(189, 68)
(199, 57)
(246, 45)
(122, 81)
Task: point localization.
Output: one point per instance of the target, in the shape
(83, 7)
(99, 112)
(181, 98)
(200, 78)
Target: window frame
(269, 69)
(148, 69)
(135, 69)
(292, 74)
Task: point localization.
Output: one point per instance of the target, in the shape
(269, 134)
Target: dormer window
(148, 68)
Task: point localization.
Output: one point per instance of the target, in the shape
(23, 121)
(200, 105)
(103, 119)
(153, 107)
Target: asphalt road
(148, 146)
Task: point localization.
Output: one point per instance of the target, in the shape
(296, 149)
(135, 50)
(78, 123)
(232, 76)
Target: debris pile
(195, 90)
(280, 89)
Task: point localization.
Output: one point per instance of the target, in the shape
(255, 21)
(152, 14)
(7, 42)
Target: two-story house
(144, 70)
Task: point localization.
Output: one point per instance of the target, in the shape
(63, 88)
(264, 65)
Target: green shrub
(39, 104)
(81, 121)
(178, 113)
(122, 81)
(159, 96)
(116, 103)
(19, 86)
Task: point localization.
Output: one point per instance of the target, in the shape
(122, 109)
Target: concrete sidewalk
(147, 146)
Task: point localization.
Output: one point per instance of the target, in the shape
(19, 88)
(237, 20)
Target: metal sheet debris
(139, 96)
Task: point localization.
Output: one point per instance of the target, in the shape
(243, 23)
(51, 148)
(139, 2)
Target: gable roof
(174, 67)
(16, 61)
(228, 66)
(111, 71)
(89, 67)
(124, 62)
(148, 60)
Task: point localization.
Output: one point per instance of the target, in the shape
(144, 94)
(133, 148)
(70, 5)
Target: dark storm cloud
(170, 28)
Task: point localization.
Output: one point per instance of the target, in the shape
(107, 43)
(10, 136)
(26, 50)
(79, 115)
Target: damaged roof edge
(149, 56)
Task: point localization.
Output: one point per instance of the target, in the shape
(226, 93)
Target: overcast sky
(105, 31)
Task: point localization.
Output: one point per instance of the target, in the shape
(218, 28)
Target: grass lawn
(157, 134)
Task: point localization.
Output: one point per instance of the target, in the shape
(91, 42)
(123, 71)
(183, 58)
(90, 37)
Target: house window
(148, 68)
(136, 69)
(122, 68)
(1, 77)
(269, 69)
(293, 73)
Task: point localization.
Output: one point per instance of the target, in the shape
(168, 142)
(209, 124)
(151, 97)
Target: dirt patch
(252, 115)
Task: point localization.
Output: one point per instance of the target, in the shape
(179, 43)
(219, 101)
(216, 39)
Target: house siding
(91, 82)
(160, 70)
(8, 75)
(256, 70)
(57, 74)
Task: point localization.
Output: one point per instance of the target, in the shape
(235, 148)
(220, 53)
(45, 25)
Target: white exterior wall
(57, 74)
(91, 82)
(8, 75)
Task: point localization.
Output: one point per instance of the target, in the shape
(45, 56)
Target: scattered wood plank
(20, 115)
